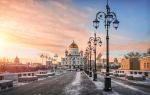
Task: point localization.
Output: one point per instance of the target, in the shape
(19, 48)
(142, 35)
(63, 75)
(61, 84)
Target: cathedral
(73, 59)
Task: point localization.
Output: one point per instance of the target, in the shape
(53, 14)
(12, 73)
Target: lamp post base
(90, 74)
(107, 84)
(95, 76)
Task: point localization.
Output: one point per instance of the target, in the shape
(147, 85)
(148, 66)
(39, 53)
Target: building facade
(135, 66)
(142, 63)
(13, 67)
(145, 63)
(73, 59)
(130, 64)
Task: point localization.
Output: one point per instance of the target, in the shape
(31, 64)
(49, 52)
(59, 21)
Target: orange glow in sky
(29, 28)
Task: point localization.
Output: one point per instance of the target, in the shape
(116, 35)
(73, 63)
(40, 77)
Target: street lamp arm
(98, 39)
(114, 15)
(100, 16)
(91, 39)
(90, 48)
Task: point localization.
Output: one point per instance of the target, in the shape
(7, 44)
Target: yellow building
(130, 64)
(145, 63)
(135, 66)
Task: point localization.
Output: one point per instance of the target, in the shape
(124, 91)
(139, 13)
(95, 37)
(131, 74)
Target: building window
(140, 72)
(144, 65)
(19, 75)
(147, 65)
(29, 74)
(1, 77)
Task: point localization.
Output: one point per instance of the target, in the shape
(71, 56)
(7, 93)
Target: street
(125, 88)
(75, 83)
(50, 86)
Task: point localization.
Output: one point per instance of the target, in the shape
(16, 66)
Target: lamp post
(89, 49)
(96, 40)
(81, 65)
(108, 17)
(87, 60)
(85, 65)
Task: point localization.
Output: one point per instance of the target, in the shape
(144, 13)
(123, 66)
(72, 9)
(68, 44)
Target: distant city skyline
(29, 28)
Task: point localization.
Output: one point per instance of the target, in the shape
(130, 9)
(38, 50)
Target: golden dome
(73, 45)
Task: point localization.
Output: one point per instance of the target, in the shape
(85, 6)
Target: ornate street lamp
(87, 61)
(81, 65)
(89, 49)
(95, 40)
(109, 18)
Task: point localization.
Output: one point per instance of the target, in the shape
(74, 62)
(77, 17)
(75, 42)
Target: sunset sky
(31, 27)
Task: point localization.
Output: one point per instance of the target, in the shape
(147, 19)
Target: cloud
(51, 25)
(143, 46)
(42, 24)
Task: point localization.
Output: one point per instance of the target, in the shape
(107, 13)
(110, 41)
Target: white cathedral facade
(73, 59)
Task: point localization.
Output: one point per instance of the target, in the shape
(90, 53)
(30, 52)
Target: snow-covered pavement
(124, 88)
(74, 87)
(130, 87)
(17, 84)
(50, 86)
(100, 86)
(77, 80)
(84, 85)
(140, 83)
(75, 83)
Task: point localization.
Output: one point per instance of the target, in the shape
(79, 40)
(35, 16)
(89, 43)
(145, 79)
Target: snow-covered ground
(100, 86)
(60, 72)
(17, 84)
(74, 87)
(130, 87)
(39, 79)
(144, 82)
(125, 86)
(77, 79)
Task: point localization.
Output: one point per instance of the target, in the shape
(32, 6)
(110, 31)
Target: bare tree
(132, 55)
